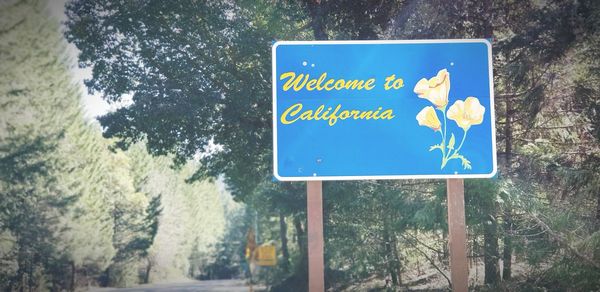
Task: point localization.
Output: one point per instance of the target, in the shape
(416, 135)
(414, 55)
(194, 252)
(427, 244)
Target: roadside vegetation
(167, 187)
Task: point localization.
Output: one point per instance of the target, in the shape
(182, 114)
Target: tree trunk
(72, 276)
(388, 255)
(148, 269)
(490, 239)
(284, 242)
(445, 256)
(300, 236)
(507, 252)
(397, 263)
(391, 254)
(317, 23)
(508, 136)
(598, 211)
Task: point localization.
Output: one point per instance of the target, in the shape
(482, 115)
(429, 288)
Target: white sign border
(383, 177)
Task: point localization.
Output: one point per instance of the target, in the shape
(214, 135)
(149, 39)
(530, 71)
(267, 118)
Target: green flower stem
(443, 144)
(461, 142)
(444, 160)
(443, 110)
(459, 146)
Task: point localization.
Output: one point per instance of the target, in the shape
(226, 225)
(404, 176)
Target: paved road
(205, 286)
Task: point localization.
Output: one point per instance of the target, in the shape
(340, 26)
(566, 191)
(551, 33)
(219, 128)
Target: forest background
(166, 185)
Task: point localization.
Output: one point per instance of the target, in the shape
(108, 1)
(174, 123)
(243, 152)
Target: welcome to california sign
(383, 110)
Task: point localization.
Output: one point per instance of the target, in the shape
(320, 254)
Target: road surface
(189, 285)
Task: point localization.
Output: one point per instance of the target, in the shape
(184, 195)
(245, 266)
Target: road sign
(383, 110)
(265, 255)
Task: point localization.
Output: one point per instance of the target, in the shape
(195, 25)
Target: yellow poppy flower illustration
(427, 117)
(465, 113)
(435, 89)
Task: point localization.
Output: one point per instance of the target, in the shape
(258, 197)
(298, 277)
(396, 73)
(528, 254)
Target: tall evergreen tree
(34, 79)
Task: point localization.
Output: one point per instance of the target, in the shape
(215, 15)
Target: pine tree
(34, 85)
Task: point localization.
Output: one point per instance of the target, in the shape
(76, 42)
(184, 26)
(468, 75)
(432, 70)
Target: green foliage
(199, 76)
(204, 72)
(72, 211)
(229, 254)
(347, 19)
(33, 197)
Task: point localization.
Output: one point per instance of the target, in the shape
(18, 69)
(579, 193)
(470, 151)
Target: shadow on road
(190, 285)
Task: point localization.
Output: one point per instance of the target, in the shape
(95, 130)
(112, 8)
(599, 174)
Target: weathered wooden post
(457, 235)
(316, 270)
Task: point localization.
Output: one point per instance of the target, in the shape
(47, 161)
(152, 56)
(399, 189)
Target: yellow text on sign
(265, 255)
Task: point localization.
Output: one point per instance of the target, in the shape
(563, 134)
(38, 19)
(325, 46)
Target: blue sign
(347, 110)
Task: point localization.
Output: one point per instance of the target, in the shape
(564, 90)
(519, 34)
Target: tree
(482, 196)
(32, 198)
(365, 20)
(60, 185)
(191, 221)
(198, 73)
(199, 78)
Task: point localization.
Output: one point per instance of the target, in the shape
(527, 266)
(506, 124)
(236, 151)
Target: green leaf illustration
(437, 146)
(465, 162)
(451, 142)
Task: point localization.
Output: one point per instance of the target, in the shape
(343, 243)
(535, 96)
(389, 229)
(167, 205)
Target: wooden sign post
(314, 214)
(457, 235)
